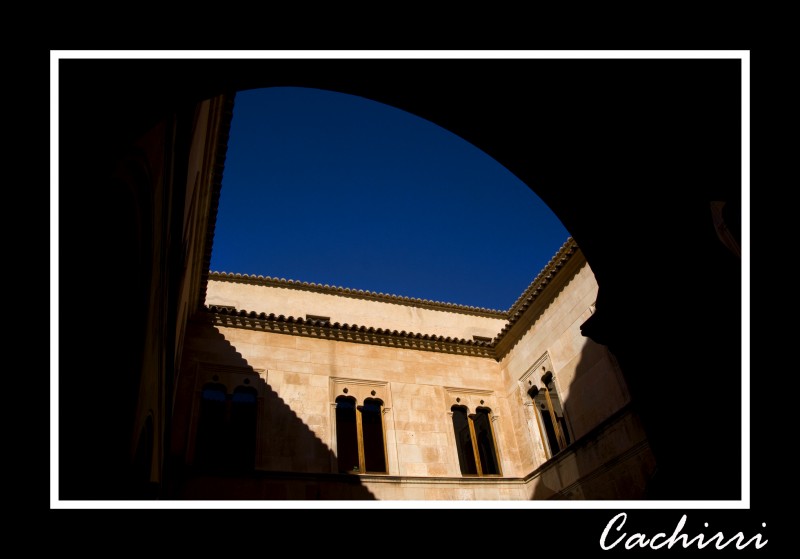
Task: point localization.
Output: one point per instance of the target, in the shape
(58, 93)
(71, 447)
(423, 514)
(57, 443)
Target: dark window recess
(360, 444)
(226, 430)
(372, 432)
(466, 455)
(243, 428)
(551, 416)
(346, 434)
(477, 453)
(485, 442)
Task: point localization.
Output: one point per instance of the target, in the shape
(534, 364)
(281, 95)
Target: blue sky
(337, 189)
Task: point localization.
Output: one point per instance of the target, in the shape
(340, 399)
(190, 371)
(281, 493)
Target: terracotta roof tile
(355, 293)
(224, 316)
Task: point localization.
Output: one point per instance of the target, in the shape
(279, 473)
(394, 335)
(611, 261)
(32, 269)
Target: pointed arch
(475, 441)
(360, 437)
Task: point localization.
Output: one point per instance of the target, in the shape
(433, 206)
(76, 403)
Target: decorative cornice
(560, 258)
(522, 314)
(516, 324)
(535, 367)
(355, 293)
(475, 391)
(347, 332)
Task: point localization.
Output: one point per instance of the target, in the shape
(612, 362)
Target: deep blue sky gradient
(337, 189)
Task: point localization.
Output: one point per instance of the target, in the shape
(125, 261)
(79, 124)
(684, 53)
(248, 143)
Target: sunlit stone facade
(303, 391)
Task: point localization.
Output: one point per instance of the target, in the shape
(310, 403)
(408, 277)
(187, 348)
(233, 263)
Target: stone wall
(299, 378)
(292, 301)
(589, 384)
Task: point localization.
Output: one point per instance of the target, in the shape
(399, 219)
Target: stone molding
(347, 333)
(520, 317)
(541, 294)
(471, 398)
(361, 389)
(559, 259)
(533, 374)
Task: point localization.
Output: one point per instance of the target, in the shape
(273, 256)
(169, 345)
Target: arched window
(466, 454)
(482, 424)
(347, 434)
(360, 442)
(211, 427)
(477, 453)
(226, 430)
(243, 427)
(550, 414)
(372, 435)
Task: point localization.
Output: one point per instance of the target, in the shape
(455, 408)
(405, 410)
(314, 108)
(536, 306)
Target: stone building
(289, 388)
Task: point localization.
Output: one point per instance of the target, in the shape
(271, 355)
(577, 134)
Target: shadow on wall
(96, 419)
(295, 463)
(682, 356)
(601, 452)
